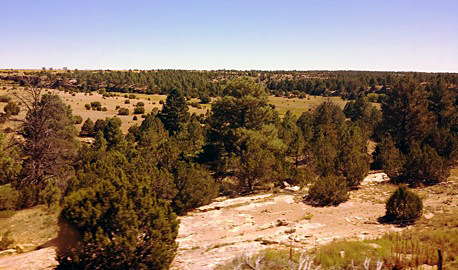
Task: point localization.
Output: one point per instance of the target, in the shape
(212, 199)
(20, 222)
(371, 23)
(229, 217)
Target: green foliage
(116, 225)
(174, 112)
(99, 125)
(51, 195)
(12, 108)
(259, 157)
(10, 163)
(205, 99)
(195, 187)
(390, 158)
(353, 160)
(404, 206)
(88, 128)
(424, 165)
(9, 197)
(326, 191)
(292, 136)
(49, 146)
(96, 105)
(139, 110)
(244, 106)
(405, 114)
(113, 134)
(123, 111)
(77, 119)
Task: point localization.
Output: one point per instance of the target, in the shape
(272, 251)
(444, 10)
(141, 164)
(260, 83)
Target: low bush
(329, 190)
(123, 111)
(77, 119)
(12, 108)
(404, 206)
(139, 110)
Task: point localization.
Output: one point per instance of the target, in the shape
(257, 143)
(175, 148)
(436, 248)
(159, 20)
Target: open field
(77, 102)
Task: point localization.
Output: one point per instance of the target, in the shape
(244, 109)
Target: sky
(401, 35)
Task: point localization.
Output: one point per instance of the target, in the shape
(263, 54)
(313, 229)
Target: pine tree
(353, 160)
(88, 128)
(174, 112)
(114, 225)
(195, 187)
(405, 114)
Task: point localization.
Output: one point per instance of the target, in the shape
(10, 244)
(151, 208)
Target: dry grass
(31, 226)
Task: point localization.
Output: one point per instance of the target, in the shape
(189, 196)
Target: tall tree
(49, 145)
(174, 112)
(405, 114)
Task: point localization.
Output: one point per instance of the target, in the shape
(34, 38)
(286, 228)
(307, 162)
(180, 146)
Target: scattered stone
(268, 242)
(429, 215)
(282, 222)
(8, 251)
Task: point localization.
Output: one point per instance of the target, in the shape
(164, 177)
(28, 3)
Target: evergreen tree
(49, 145)
(116, 225)
(353, 160)
(259, 158)
(404, 206)
(292, 136)
(405, 114)
(195, 187)
(10, 164)
(174, 112)
(88, 128)
(390, 159)
(113, 134)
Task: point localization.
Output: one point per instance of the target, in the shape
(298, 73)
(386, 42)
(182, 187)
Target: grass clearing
(33, 226)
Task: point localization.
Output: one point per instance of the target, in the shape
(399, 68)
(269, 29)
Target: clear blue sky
(217, 34)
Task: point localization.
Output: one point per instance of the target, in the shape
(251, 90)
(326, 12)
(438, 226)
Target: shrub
(123, 111)
(104, 109)
(131, 96)
(329, 190)
(117, 107)
(87, 106)
(161, 102)
(5, 98)
(403, 206)
(77, 119)
(88, 128)
(195, 185)
(135, 118)
(117, 227)
(12, 108)
(139, 110)
(205, 99)
(126, 101)
(140, 104)
(9, 197)
(96, 105)
(51, 195)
